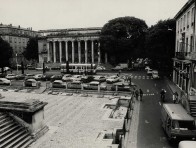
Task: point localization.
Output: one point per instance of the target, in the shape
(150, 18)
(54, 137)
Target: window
(184, 21)
(191, 48)
(192, 15)
(187, 44)
(188, 17)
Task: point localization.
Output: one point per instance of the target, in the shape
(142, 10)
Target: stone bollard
(126, 125)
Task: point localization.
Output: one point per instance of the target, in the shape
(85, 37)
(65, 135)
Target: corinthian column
(99, 53)
(54, 51)
(48, 50)
(60, 51)
(92, 51)
(86, 52)
(79, 51)
(66, 50)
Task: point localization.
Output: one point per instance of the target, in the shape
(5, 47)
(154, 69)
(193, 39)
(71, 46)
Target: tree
(160, 43)
(31, 51)
(123, 38)
(6, 53)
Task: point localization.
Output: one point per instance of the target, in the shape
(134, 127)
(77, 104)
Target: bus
(79, 68)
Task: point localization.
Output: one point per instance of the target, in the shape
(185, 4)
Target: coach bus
(79, 68)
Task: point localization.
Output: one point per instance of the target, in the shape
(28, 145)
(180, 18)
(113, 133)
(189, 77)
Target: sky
(62, 14)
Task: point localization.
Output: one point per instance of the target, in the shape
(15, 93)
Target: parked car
(76, 78)
(41, 68)
(147, 68)
(56, 77)
(149, 72)
(58, 84)
(121, 87)
(29, 76)
(6, 69)
(100, 78)
(4, 81)
(117, 68)
(87, 79)
(113, 79)
(20, 77)
(74, 85)
(38, 76)
(10, 76)
(66, 77)
(155, 74)
(32, 83)
(94, 86)
(100, 68)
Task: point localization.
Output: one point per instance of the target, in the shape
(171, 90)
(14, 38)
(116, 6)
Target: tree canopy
(31, 51)
(123, 38)
(6, 52)
(160, 42)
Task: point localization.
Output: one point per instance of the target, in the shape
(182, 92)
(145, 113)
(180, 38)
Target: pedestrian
(119, 72)
(141, 94)
(129, 79)
(136, 94)
(162, 95)
(175, 97)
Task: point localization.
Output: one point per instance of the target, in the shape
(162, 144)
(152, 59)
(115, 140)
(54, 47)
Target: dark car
(121, 87)
(87, 79)
(20, 77)
(56, 77)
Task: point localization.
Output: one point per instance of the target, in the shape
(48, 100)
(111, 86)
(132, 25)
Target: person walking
(175, 97)
(162, 95)
(141, 94)
(136, 94)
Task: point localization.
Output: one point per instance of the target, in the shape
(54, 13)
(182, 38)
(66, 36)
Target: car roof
(177, 112)
(58, 81)
(31, 80)
(94, 82)
(187, 144)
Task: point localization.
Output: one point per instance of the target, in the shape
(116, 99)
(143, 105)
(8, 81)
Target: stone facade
(77, 45)
(17, 37)
(184, 62)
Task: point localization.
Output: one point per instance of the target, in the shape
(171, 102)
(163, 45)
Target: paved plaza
(75, 121)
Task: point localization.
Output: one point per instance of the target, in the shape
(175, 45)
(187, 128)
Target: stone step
(6, 127)
(20, 140)
(10, 129)
(5, 123)
(4, 120)
(3, 116)
(12, 138)
(24, 142)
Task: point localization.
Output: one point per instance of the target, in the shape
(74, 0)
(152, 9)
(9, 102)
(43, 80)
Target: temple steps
(12, 134)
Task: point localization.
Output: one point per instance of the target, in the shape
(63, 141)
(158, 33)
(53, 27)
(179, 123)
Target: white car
(11, 76)
(66, 77)
(147, 68)
(38, 76)
(155, 74)
(4, 81)
(76, 78)
(113, 79)
(94, 86)
(149, 72)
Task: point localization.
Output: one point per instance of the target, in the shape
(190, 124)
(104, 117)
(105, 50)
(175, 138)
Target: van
(177, 123)
(187, 144)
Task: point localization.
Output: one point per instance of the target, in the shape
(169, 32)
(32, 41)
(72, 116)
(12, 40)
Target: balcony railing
(186, 55)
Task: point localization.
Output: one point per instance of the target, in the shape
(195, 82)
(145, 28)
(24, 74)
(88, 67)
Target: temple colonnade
(74, 51)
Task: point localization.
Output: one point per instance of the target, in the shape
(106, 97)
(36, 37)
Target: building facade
(76, 45)
(17, 37)
(184, 62)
